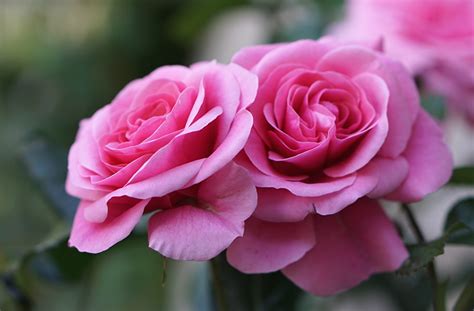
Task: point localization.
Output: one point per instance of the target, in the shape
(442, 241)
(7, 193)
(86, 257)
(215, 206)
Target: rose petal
(248, 57)
(267, 247)
(192, 233)
(379, 177)
(429, 159)
(304, 52)
(97, 237)
(157, 186)
(248, 85)
(403, 106)
(377, 94)
(350, 247)
(281, 206)
(229, 148)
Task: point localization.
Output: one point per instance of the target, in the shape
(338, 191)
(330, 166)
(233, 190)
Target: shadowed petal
(351, 245)
(269, 246)
(97, 237)
(187, 232)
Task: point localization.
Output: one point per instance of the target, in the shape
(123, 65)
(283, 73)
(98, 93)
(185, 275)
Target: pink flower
(334, 123)
(433, 38)
(455, 82)
(166, 145)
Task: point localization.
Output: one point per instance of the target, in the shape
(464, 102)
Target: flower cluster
(278, 157)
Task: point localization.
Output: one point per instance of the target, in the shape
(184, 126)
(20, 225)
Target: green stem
(218, 286)
(438, 302)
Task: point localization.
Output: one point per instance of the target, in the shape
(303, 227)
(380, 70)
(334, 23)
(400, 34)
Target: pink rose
(433, 38)
(166, 145)
(333, 123)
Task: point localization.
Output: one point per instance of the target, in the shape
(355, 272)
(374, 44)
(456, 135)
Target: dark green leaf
(463, 176)
(440, 296)
(421, 255)
(434, 105)
(466, 299)
(459, 226)
(50, 174)
(57, 236)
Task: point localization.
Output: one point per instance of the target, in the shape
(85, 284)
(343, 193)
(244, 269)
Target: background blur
(62, 60)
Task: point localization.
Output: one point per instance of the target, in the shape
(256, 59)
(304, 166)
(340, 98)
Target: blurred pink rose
(334, 123)
(433, 38)
(455, 82)
(166, 143)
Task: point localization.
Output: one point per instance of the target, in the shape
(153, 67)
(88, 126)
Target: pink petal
(248, 57)
(173, 72)
(187, 146)
(377, 94)
(77, 185)
(379, 177)
(194, 233)
(97, 237)
(350, 247)
(267, 247)
(304, 189)
(231, 192)
(248, 85)
(281, 206)
(350, 60)
(403, 106)
(304, 52)
(157, 186)
(190, 233)
(229, 148)
(429, 160)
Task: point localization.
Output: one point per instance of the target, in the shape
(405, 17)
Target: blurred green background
(62, 60)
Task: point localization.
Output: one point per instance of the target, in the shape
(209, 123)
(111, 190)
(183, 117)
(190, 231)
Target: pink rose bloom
(333, 123)
(434, 38)
(165, 145)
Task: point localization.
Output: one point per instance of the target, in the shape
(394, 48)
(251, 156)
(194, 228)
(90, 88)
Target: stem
(23, 301)
(218, 286)
(437, 303)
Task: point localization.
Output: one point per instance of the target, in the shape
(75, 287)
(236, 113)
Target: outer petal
(267, 247)
(304, 52)
(250, 56)
(350, 247)
(429, 159)
(193, 233)
(248, 85)
(277, 205)
(403, 106)
(190, 233)
(97, 237)
(157, 186)
(379, 177)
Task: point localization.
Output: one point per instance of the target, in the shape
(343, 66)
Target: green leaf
(466, 299)
(421, 255)
(459, 226)
(434, 105)
(50, 175)
(58, 235)
(440, 296)
(463, 176)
